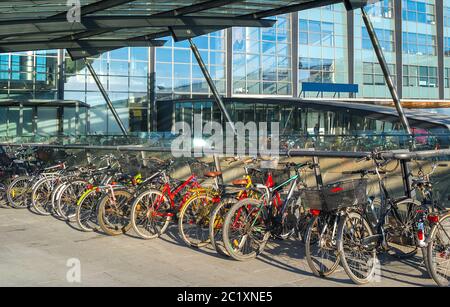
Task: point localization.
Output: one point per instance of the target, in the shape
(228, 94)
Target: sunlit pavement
(35, 250)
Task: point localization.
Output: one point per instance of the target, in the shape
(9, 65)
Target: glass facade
(447, 49)
(419, 44)
(367, 71)
(124, 75)
(29, 75)
(322, 46)
(262, 59)
(177, 73)
(308, 46)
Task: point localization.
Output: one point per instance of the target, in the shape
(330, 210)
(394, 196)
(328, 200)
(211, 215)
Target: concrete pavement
(40, 251)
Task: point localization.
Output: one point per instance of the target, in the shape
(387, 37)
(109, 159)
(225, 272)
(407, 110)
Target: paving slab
(38, 250)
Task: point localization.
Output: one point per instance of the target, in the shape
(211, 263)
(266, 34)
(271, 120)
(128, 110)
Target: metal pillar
(106, 97)
(407, 178)
(317, 172)
(385, 69)
(211, 84)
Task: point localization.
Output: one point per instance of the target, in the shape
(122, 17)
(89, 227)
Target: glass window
(261, 58)
(418, 11)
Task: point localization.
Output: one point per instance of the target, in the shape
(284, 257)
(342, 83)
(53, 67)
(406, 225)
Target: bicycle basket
(313, 198)
(345, 194)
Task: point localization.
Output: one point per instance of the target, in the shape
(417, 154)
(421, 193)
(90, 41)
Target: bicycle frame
(170, 194)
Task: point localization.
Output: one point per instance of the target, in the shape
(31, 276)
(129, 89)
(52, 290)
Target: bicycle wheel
(320, 245)
(150, 214)
(401, 232)
(114, 213)
(55, 196)
(245, 232)
(66, 204)
(358, 258)
(41, 196)
(18, 192)
(86, 214)
(289, 220)
(218, 214)
(3, 197)
(193, 221)
(439, 252)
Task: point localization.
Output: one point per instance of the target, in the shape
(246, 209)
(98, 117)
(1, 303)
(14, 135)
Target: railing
(359, 141)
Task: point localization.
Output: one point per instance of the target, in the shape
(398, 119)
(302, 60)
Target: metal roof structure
(96, 26)
(43, 103)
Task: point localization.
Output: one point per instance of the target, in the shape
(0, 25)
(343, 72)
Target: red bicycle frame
(167, 192)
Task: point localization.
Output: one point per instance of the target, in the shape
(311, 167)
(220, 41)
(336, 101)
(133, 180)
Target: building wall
(322, 46)
(367, 71)
(447, 49)
(308, 46)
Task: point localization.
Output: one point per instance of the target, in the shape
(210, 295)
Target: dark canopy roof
(110, 24)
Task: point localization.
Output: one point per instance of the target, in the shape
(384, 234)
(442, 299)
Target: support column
(34, 120)
(385, 69)
(440, 46)
(229, 61)
(294, 63)
(106, 97)
(60, 117)
(211, 84)
(398, 46)
(351, 48)
(61, 69)
(152, 109)
(20, 123)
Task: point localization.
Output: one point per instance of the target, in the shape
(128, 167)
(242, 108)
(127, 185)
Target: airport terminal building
(327, 45)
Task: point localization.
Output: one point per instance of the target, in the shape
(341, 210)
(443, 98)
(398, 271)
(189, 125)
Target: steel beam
(385, 69)
(292, 8)
(113, 23)
(109, 44)
(211, 84)
(183, 33)
(95, 7)
(198, 7)
(106, 97)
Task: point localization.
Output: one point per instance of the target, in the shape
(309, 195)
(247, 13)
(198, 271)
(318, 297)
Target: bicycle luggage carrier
(336, 196)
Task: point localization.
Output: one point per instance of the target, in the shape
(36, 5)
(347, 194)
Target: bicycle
(152, 210)
(251, 222)
(394, 231)
(219, 210)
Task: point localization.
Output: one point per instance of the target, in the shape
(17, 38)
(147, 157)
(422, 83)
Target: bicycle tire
(3, 197)
(324, 267)
(218, 214)
(402, 250)
(86, 214)
(105, 206)
(433, 248)
(140, 212)
(189, 216)
(259, 240)
(43, 188)
(19, 185)
(66, 205)
(347, 242)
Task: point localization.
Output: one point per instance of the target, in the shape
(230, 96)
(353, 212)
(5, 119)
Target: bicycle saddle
(212, 174)
(240, 182)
